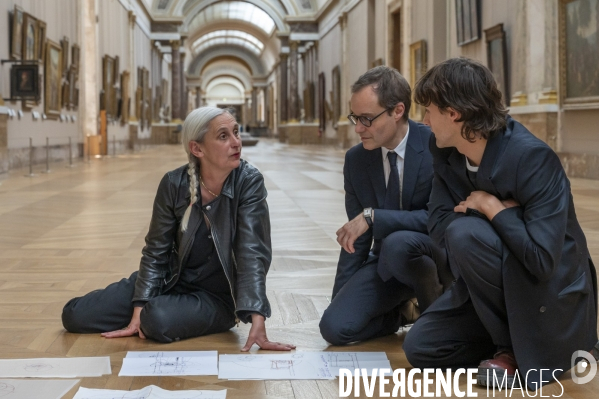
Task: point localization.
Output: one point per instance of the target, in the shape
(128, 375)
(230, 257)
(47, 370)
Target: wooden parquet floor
(78, 229)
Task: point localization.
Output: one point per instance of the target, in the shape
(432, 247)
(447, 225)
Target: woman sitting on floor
(207, 251)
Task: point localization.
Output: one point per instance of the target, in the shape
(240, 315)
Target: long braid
(193, 190)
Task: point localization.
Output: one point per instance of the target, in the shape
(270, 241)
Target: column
(89, 100)
(176, 81)
(283, 89)
(198, 96)
(254, 120)
(293, 83)
(184, 90)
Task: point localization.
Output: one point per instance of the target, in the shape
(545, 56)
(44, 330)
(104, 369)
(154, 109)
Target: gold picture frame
(29, 50)
(75, 57)
(578, 55)
(64, 44)
(41, 40)
(17, 33)
(107, 85)
(53, 78)
(125, 95)
(418, 66)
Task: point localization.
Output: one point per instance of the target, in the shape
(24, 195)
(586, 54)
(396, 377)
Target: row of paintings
(58, 79)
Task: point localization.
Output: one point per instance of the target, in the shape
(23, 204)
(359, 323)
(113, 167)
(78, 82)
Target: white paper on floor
(355, 360)
(170, 363)
(38, 389)
(288, 366)
(149, 392)
(299, 365)
(55, 367)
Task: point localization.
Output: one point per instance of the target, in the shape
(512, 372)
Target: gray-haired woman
(207, 250)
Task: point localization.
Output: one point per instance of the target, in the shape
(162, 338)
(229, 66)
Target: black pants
(469, 322)
(176, 315)
(367, 306)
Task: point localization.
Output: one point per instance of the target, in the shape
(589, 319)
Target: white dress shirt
(400, 150)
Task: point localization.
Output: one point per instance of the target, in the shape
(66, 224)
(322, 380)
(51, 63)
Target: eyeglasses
(364, 120)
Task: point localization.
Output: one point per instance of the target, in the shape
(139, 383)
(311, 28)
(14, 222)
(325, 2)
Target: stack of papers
(170, 363)
(298, 365)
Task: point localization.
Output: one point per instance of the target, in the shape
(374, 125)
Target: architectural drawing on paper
(342, 360)
(39, 367)
(6, 389)
(176, 365)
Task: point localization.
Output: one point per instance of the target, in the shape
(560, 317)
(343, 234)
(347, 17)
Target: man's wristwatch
(368, 216)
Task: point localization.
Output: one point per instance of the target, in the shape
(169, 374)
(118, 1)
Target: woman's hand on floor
(132, 329)
(258, 336)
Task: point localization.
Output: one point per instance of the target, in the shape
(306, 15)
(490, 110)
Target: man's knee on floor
(155, 323)
(333, 331)
(415, 350)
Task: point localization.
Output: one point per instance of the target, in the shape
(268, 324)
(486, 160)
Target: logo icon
(580, 367)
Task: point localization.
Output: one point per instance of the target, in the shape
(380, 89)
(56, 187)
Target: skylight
(236, 10)
(234, 37)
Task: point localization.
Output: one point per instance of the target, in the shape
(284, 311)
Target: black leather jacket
(240, 227)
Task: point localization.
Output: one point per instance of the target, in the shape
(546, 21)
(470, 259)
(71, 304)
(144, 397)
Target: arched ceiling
(226, 67)
(255, 63)
(228, 11)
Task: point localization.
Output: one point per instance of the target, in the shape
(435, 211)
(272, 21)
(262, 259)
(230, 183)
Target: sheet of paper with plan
(149, 392)
(170, 363)
(70, 367)
(299, 365)
(289, 366)
(38, 389)
(355, 360)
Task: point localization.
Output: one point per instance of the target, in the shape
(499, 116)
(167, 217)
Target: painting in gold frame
(497, 59)
(75, 55)
(125, 95)
(64, 43)
(418, 66)
(72, 79)
(41, 40)
(17, 33)
(53, 77)
(579, 54)
(107, 86)
(30, 37)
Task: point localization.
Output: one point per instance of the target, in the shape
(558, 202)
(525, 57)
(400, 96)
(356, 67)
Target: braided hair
(195, 127)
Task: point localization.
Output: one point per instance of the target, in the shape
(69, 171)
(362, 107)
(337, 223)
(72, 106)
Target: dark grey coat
(549, 279)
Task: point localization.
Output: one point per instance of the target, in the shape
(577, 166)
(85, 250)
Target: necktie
(392, 194)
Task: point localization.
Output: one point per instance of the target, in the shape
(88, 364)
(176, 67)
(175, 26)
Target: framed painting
(53, 77)
(16, 51)
(24, 82)
(579, 53)
(107, 86)
(497, 59)
(125, 95)
(41, 40)
(467, 21)
(418, 66)
(30, 37)
(66, 102)
(64, 44)
(115, 73)
(321, 102)
(75, 55)
(336, 95)
(72, 79)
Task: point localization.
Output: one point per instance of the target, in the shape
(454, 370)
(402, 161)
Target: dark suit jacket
(548, 277)
(365, 188)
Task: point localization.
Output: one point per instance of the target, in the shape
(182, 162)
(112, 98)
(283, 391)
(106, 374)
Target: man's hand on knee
(349, 233)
